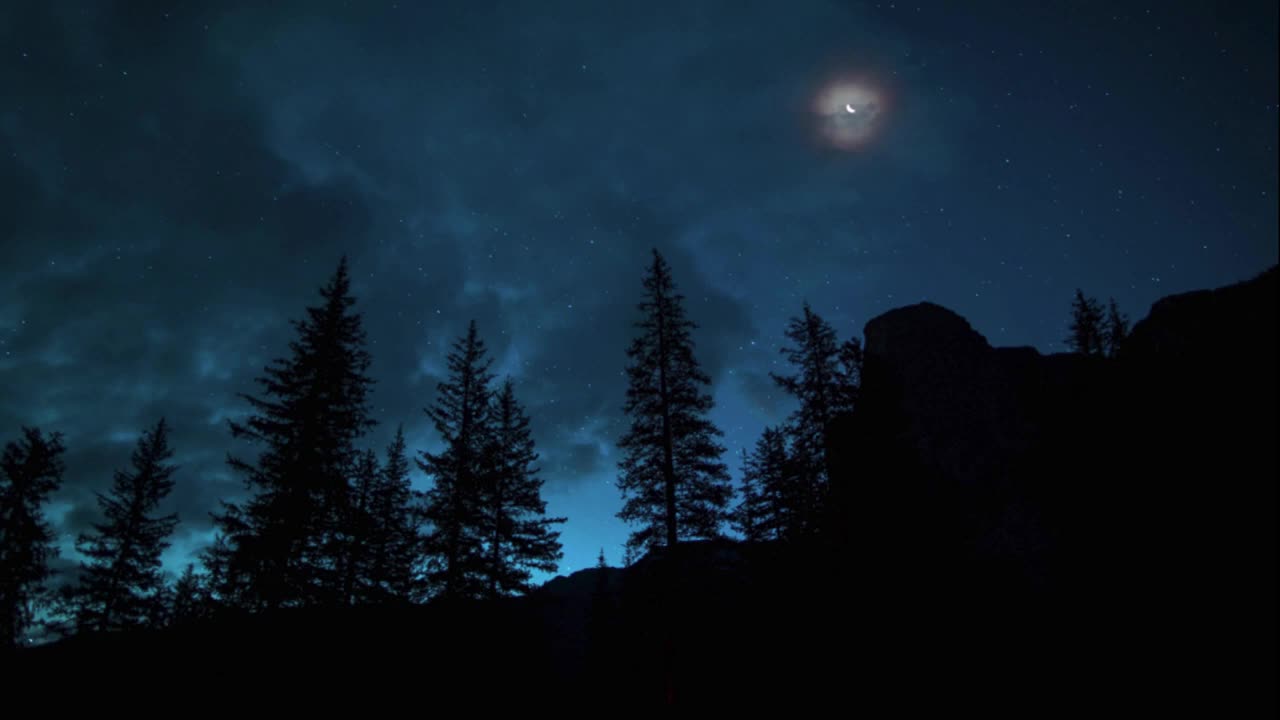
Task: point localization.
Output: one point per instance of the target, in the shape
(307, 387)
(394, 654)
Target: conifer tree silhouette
(385, 529)
(454, 545)
(672, 480)
(189, 600)
(1086, 334)
(520, 535)
(826, 385)
(32, 470)
(284, 545)
(1115, 329)
(122, 584)
(396, 542)
(769, 490)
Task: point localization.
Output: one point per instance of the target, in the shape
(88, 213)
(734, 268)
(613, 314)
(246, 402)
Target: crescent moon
(849, 108)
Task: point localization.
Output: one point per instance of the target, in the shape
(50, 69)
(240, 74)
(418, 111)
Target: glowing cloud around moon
(847, 114)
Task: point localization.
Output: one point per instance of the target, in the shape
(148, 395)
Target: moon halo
(847, 113)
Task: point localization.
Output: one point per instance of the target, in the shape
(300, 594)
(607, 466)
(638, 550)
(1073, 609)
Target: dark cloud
(160, 245)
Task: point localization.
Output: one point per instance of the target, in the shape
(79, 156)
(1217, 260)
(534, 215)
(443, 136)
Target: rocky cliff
(1121, 510)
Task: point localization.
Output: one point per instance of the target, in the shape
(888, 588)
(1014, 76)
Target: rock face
(1200, 374)
(962, 398)
(1133, 498)
(975, 444)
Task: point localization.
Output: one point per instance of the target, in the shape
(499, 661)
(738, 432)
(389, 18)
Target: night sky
(178, 180)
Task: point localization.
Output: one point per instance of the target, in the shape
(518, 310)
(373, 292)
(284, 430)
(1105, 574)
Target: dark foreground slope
(1009, 531)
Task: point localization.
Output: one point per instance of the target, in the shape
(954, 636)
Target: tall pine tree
(521, 537)
(672, 480)
(285, 545)
(122, 584)
(826, 384)
(454, 546)
(32, 468)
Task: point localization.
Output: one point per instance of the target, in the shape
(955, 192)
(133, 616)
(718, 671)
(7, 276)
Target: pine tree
(228, 575)
(121, 586)
(284, 545)
(672, 481)
(849, 377)
(744, 518)
(769, 490)
(520, 536)
(1115, 330)
(32, 468)
(398, 508)
(189, 600)
(1086, 334)
(454, 546)
(826, 384)
(630, 554)
(387, 531)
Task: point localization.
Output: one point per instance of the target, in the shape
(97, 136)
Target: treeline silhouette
(327, 523)
(935, 517)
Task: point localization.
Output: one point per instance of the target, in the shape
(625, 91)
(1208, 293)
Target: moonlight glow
(847, 114)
